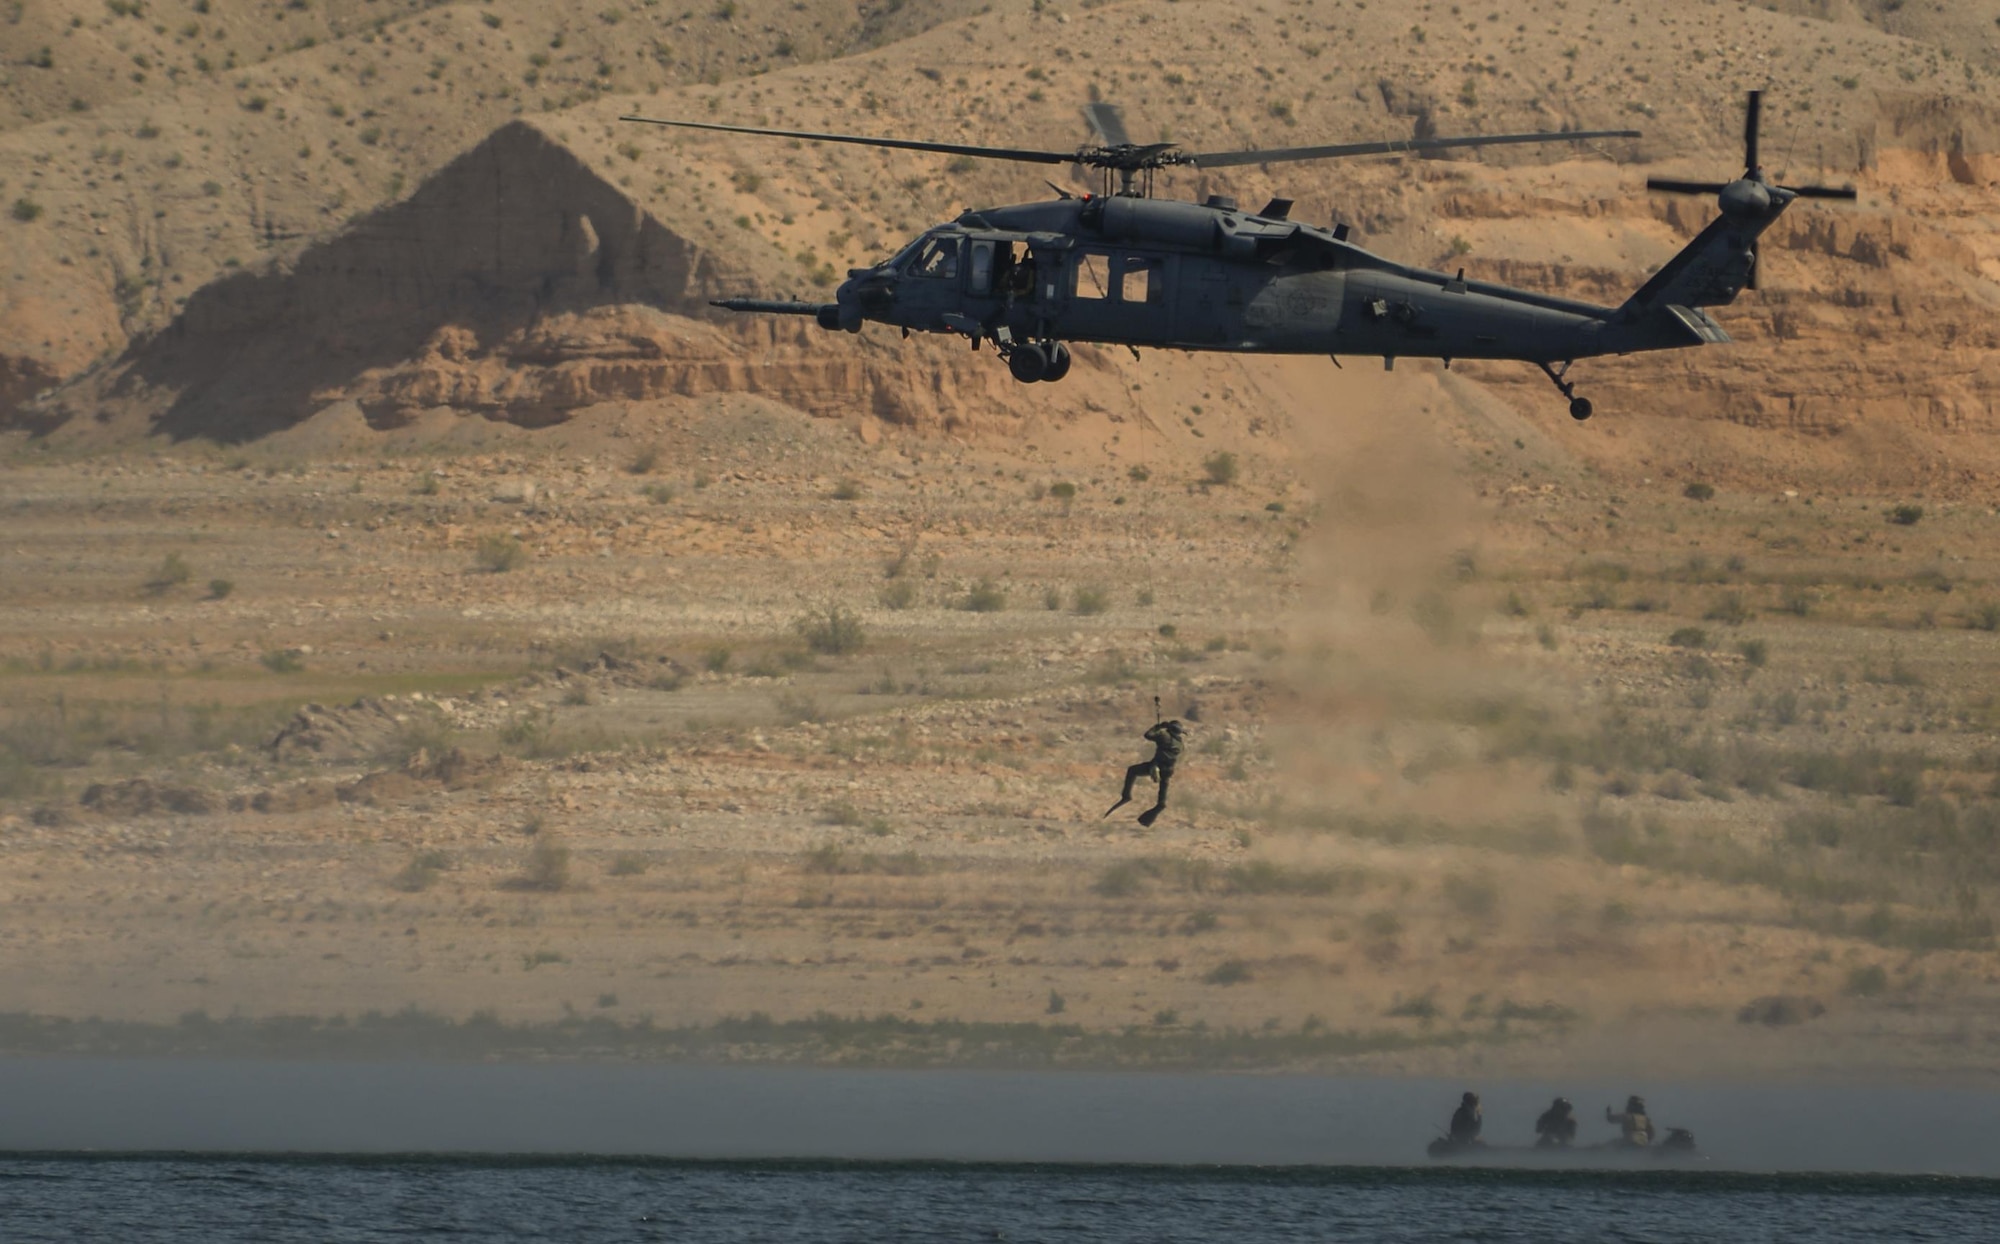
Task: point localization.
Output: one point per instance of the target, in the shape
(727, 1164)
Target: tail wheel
(1028, 363)
(1059, 359)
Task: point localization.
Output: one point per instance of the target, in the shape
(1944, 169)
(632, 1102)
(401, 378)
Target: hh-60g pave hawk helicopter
(1123, 268)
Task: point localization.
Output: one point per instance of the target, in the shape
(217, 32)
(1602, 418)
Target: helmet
(1635, 1105)
(1562, 1104)
(1174, 726)
(1470, 1099)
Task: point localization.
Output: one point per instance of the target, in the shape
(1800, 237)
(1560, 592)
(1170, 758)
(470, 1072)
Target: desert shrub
(427, 484)
(546, 868)
(1906, 515)
(847, 490)
(1228, 972)
(628, 865)
(1728, 609)
(426, 733)
(283, 660)
(26, 210)
(499, 553)
(1780, 1010)
(1220, 467)
(1052, 599)
(1867, 982)
(1138, 474)
(985, 596)
(794, 708)
(1698, 491)
(1689, 637)
(219, 589)
(1755, 652)
(1475, 896)
(421, 873)
(645, 460)
(841, 812)
(1089, 600)
(715, 660)
(1423, 1007)
(1057, 1003)
(1985, 618)
(834, 860)
(172, 571)
(1063, 491)
(530, 732)
(658, 494)
(832, 630)
(898, 594)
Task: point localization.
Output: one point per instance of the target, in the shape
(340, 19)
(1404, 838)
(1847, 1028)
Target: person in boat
(1556, 1129)
(1168, 740)
(1466, 1121)
(1634, 1127)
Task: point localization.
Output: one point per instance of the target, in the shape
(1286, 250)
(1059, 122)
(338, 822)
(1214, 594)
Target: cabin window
(982, 267)
(1093, 274)
(1139, 280)
(938, 258)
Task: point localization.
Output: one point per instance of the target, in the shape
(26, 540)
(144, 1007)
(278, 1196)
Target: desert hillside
(431, 626)
(154, 213)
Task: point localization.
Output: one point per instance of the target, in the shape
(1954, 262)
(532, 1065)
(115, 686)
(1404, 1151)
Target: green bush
(1220, 467)
(1906, 515)
(283, 660)
(644, 461)
(26, 210)
(1698, 491)
(219, 589)
(847, 490)
(1090, 600)
(715, 660)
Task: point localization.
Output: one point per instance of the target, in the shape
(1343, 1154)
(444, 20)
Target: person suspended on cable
(1168, 739)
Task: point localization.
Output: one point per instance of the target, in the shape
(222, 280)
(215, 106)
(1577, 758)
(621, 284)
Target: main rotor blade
(1823, 192)
(1279, 155)
(1684, 187)
(1109, 123)
(1751, 117)
(1021, 155)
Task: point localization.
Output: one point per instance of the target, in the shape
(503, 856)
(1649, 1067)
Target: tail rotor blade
(1683, 187)
(1751, 117)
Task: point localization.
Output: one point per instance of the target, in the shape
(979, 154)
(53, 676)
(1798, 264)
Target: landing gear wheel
(1059, 358)
(1028, 363)
(1579, 408)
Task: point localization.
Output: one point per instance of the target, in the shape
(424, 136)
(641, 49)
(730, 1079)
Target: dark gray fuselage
(1189, 276)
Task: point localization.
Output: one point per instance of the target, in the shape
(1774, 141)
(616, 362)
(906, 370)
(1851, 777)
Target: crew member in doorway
(1168, 739)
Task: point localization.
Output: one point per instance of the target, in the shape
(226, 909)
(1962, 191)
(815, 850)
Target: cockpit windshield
(934, 256)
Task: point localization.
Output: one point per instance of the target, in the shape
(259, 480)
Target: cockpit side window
(938, 257)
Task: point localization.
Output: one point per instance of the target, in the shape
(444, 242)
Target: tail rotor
(1753, 195)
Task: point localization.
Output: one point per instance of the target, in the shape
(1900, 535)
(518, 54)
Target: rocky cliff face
(511, 233)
